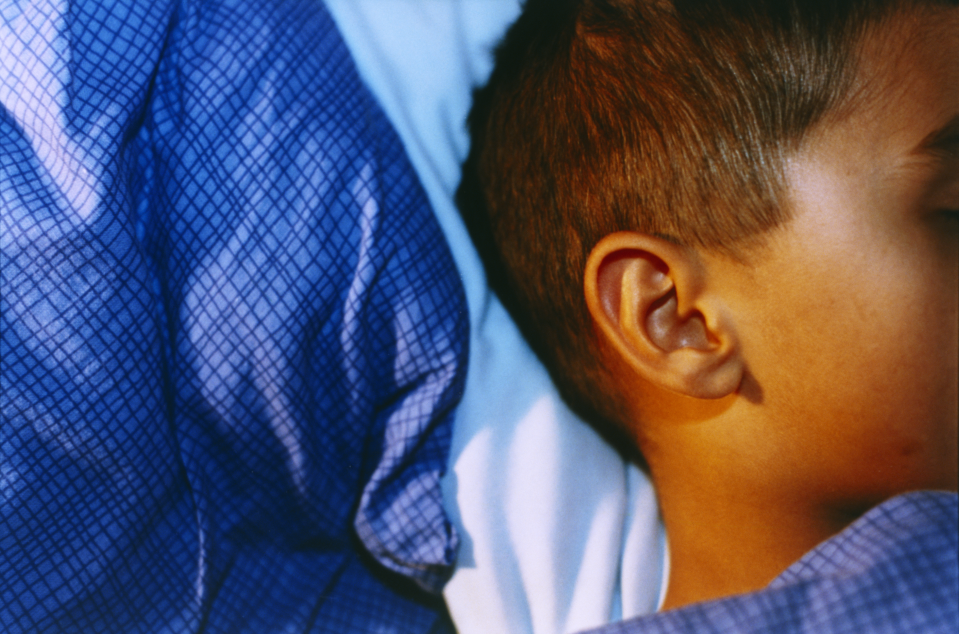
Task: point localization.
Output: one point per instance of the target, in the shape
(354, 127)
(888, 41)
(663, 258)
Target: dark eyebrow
(942, 142)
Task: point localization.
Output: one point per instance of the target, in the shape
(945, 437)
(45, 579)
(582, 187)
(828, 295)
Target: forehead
(907, 85)
(892, 149)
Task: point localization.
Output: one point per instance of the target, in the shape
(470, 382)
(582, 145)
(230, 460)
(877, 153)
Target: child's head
(725, 158)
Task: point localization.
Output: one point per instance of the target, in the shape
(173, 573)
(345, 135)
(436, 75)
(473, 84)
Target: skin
(782, 397)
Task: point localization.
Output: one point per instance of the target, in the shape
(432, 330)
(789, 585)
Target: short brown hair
(667, 118)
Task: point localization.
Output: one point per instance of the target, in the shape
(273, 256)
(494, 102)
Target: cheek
(862, 362)
(926, 323)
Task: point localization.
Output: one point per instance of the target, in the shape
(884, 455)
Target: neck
(720, 546)
(730, 530)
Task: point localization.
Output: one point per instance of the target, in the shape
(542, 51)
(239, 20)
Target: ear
(650, 301)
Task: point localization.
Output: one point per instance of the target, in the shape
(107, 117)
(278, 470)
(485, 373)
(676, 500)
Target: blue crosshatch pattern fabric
(232, 334)
(893, 571)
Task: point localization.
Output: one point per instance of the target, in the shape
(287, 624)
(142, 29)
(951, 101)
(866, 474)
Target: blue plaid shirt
(231, 333)
(893, 571)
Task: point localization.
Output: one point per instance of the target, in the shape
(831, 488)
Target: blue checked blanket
(231, 334)
(893, 571)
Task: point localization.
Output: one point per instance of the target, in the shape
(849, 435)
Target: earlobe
(648, 301)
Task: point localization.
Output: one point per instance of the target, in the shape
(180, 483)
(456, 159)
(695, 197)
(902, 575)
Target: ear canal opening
(670, 331)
